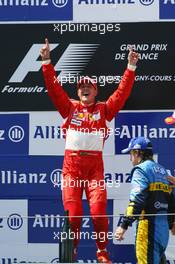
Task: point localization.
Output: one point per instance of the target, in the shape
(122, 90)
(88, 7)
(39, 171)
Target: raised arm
(58, 96)
(119, 97)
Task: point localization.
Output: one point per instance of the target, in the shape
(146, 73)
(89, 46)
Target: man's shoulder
(145, 165)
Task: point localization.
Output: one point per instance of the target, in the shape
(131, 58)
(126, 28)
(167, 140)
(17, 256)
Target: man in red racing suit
(86, 129)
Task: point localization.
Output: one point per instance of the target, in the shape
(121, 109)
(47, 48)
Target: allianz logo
(117, 177)
(13, 221)
(42, 3)
(54, 221)
(15, 177)
(15, 134)
(147, 2)
(47, 132)
(47, 221)
(115, 2)
(132, 131)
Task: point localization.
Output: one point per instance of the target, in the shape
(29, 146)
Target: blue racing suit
(151, 198)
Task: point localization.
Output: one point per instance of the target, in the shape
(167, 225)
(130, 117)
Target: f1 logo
(74, 59)
(29, 63)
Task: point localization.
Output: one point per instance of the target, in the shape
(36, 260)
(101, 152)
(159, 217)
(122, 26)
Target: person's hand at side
(173, 229)
(45, 51)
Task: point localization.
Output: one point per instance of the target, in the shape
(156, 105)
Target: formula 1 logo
(146, 2)
(74, 59)
(60, 3)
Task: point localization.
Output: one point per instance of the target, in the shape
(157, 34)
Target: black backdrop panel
(22, 85)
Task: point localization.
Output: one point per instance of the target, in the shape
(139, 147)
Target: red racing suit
(86, 129)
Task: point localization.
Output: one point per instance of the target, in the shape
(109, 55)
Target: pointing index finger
(130, 48)
(47, 42)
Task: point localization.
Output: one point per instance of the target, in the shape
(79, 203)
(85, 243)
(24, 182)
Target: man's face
(134, 157)
(87, 93)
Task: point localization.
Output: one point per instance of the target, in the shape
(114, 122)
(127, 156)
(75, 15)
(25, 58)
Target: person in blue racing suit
(151, 199)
